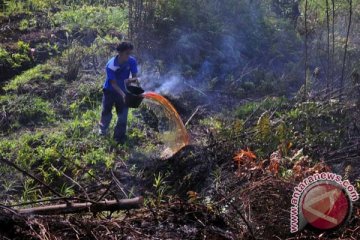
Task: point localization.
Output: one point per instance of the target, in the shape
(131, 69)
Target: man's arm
(111, 75)
(134, 71)
(117, 89)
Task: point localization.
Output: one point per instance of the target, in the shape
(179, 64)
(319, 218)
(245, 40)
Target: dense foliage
(278, 80)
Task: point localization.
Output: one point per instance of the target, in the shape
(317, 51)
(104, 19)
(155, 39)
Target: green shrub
(40, 72)
(96, 156)
(17, 59)
(27, 24)
(72, 60)
(92, 17)
(257, 108)
(13, 7)
(5, 57)
(24, 25)
(24, 110)
(34, 109)
(212, 122)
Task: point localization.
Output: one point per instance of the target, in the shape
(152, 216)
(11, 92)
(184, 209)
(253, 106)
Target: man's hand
(132, 80)
(118, 90)
(123, 95)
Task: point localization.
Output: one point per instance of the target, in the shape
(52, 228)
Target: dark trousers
(110, 99)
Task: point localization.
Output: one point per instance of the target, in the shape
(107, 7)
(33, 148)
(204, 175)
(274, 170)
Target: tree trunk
(328, 46)
(306, 50)
(346, 48)
(333, 43)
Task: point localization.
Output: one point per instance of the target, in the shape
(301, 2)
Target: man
(118, 71)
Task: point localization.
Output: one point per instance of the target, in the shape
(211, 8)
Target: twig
(192, 115)
(99, 180)
(118, 184)
(196, 89)
(106, 191)
(8, 208)
(72, 180)
(241, 216)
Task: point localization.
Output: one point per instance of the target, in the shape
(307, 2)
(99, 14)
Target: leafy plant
(160, 186)
(263, 127)
(72, 59)
(92, 17)
(5, 57)
(40, 72)
(17, 59)
(25, 110)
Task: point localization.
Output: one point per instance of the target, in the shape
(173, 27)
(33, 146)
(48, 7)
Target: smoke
(170, 83)
(206, 41)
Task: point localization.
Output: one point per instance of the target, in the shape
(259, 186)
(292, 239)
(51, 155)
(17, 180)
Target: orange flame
(244, 155)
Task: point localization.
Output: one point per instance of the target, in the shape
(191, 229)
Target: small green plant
(5, 57)
(22, 56)
(67, 191)
(31, 191)
(24, 25)
(16, 59)
(212, 122)
(217, 176)
(23, 47)
(263, 127)
(72, 59)
(12, 7)
(160, 186)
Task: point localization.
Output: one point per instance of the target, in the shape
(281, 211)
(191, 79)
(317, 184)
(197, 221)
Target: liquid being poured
(174, 134)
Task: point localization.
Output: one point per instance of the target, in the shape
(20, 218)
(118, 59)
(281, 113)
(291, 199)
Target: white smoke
(171, 86)
(171, 83)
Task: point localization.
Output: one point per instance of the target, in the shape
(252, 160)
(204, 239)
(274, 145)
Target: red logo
(325, 206)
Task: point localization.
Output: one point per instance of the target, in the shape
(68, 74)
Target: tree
(346, 48)
(328, 44)
(306, 49)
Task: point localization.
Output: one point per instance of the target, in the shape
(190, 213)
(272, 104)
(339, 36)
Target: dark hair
(124, 46)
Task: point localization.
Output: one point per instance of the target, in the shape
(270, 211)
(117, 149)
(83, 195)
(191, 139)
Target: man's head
(124, 49)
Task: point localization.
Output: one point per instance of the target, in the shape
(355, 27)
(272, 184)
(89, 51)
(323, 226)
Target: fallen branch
(112, 205)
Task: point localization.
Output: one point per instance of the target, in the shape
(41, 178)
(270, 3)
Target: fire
(244, 155)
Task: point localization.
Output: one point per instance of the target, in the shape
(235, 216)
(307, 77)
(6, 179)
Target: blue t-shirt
(119, 72)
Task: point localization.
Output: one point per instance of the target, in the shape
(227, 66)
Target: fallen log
(111, 205)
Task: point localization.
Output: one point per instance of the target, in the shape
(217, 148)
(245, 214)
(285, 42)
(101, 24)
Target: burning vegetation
(243, 100)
